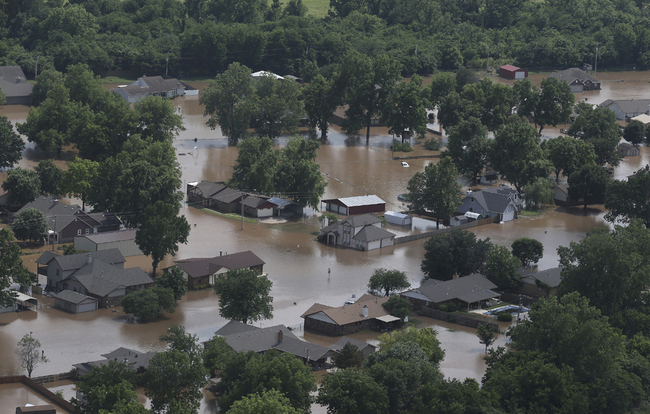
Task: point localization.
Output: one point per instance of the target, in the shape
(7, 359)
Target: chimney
(280, 336)
(90, 258)
(364, 311)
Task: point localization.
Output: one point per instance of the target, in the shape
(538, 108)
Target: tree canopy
(11, 145)
(244, 295)
(30, 224)
(12, 268)
(23, 186)
(388, 281)
(598, 126)
(458, 252)
(628, 199)
(527, 250)
(149, 304)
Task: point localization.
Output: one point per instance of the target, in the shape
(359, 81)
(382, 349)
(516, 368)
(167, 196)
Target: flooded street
(295, 262)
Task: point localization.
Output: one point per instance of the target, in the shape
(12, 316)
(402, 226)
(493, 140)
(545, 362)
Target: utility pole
(36, 69)
(596, 63)
(487, 65)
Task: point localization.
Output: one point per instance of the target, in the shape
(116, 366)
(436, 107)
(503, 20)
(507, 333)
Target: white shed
(398, 218)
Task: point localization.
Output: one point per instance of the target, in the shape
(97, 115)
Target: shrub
(402, 146)
(432, 144)
(451, 307)
(442, 308)
(504, 317)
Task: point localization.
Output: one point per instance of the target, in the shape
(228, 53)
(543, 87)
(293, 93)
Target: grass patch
(413, 322)
(452, 330)
(228, 215)
(530, 213)
(317, 8)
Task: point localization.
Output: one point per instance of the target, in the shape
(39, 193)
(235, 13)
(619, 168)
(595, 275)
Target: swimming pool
(510, 308)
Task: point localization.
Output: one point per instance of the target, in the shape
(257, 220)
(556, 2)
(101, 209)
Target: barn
(124, 240)
(512, 72)
(350, 206)
(74, 302)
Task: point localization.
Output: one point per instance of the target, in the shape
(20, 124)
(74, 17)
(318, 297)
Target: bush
(504, 317)
(402, 146)
(451, 307)
(442, 308)
(432, 144)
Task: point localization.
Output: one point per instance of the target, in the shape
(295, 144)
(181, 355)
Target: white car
(405, 164)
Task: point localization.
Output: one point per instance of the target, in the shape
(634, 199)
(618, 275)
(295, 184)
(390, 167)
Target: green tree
(22, 185)
(627, 199)
(174, 380)
(45, 82)
(161, 231)
(436, 190)
(256, 165)
(217, 354)
(84, 86)
(425, 338)
(458, 252)
(516, 153)
(467, 146)
(568, 154)
(12, 268)
(29, 353)
(452, 396)
(589, 184)
(598, 126)
(177, 338)
(29, 224)
(527, 250)
(228, 102)
(321, 98)
(370, 82)
(442, 84)
(173, 279)
(78, 179)
(405, 109)
(149, 304)
(485, 334)
(244, 295)
(279, 107)
(50, 177)
(539, 192)
(108, 387)
(11, 145)
(348, 357)
(634, 132)
(350, 391)
(251, 373)
(156, 118)
(490, 102)
(264, 402)
(298, 176)
(555, 103)
(502, 268)
(525, 98)
(388, 281)
(398, 306)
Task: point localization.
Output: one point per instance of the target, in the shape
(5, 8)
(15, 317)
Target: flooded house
(14, 84)
(625, 109)
(578, 79)
(541, 283)
(359, 232)
(501, 202)
(137, 360)
(203, 271)
(467, 291)
(152, 86)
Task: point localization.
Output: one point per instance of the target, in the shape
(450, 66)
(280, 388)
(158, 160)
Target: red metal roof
(510, 68)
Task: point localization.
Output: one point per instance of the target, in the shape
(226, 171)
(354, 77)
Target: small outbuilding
(400, 219)
(74, 302)
(628, 150)
(512, 72)
(350, 206)
(123, 240)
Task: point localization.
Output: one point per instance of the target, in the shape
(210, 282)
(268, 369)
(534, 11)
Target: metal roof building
(355, 205)
(123, 240)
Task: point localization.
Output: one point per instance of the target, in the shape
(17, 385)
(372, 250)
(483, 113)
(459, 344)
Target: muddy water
(297, 265)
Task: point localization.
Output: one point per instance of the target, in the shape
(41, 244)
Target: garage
(74, 302)
(355, 205)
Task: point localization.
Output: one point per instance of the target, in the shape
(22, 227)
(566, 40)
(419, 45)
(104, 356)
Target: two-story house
(360, 232)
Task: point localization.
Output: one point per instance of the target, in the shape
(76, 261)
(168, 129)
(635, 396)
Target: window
(87, 231)
(79, 232)
(472, 200)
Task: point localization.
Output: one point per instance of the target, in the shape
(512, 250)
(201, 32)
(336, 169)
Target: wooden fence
(427, 234)
(456, 318)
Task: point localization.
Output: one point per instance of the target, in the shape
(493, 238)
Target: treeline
(203, 37)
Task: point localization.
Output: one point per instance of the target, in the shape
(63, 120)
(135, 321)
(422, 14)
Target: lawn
(317, 8)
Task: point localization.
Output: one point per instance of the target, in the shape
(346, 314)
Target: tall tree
(244, 295)
(555, 103)
(156, 118)
(634, 132)
(502, 268)
(485, 335)
(442, 84)
(458, 252)
(488, 101)
(264, 402)
(29, 353)
(371, 81)
(255, 166)
(321, 98)
(568, 154)
(349, 356)
(388, 281)
(161, 231)
(425, 338)
(467, 146)
(628, 199)
(527, 250)
(279, 107)
(50, 176)
(436, 191)
(539, 192)
(22, 185)
(405, 109)
(589, 183)
(108, 387)
(11, 145)
(174, 380)
(29, 224)
(228, 102)
(79, 178)
(12, 268)
(350, 391)
(149, 304)
(598, 126)
(84, 86)
(298, 176)
(516, 153)
(173, 279)
(46, 81)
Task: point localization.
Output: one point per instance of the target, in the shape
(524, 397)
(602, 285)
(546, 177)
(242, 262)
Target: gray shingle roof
(112, 236)
(227, 195)
(13, 82)
(73, 297)
(77, 261)
(469, 289)
(372, 233)
(154, 84)
(630, 106)
(100, 272)
(551, 277)
(492, 200)
(338, 345)
(199, 267)
(571, 74)
(208, 188)
(131, 357)
(51, 206)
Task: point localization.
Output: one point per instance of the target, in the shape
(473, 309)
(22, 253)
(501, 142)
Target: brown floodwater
(295, 262)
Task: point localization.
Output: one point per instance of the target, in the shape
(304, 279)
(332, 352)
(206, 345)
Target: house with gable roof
(203, 271)
(541, 283)
(14, 85)
(139, 361)
(151, 86)
(100, 275)
(473, 290)
(627, 108)
(578, 79)
(501, 202)
(359, 232)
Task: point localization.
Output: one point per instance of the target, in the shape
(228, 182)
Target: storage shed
(628, 150)
(512, 72)
(398, 218)
(74, 302)
(123, 240)
(355, 205)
